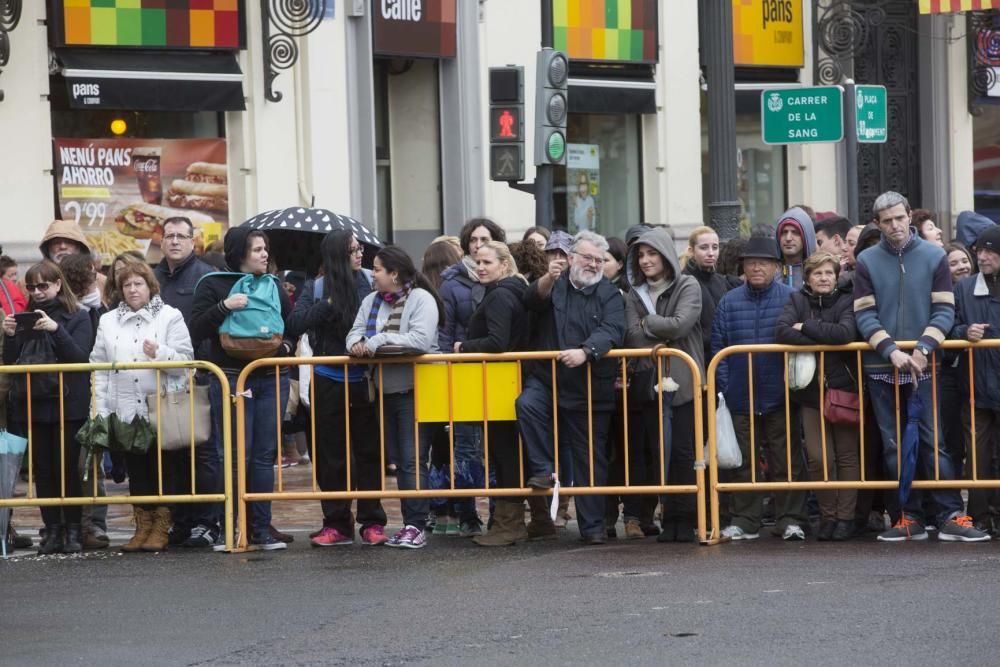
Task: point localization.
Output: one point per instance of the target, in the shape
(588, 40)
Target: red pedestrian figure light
(506, 121)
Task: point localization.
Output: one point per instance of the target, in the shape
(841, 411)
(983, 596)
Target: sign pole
(851, 151)
(723, 195)
(543, 172)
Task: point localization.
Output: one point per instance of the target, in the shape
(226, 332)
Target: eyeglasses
(590, 259)
(37, 287)
(357, 250)
(176, 237)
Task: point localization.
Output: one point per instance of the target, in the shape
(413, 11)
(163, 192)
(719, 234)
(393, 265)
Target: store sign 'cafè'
(415, 28)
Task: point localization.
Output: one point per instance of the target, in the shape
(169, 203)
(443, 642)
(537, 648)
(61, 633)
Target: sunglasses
(37, 287)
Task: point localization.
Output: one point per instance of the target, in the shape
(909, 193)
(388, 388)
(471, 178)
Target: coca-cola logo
(146, 166)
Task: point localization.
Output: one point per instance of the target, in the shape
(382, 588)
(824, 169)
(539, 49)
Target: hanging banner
(121, 190)
(768, 33)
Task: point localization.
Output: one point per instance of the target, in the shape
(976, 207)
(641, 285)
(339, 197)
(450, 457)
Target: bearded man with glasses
(581, 314)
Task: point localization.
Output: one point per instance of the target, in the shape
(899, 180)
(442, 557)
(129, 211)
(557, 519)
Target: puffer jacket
(674, 320)
(748, 316)
(974, 304)
(713, 287)
(120, 338)
(826, 320)
(500, 324)
(461, 295)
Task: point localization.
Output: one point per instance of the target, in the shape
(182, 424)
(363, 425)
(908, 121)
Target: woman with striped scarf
(403, 311)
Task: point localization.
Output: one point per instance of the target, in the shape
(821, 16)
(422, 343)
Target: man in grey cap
(747, 315)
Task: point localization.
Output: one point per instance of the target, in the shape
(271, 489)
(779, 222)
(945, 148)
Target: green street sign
(872, 118)
(802, 115)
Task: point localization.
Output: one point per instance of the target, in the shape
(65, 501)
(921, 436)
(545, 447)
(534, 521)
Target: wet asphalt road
(556, 603)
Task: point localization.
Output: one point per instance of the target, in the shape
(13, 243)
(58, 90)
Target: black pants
(331, 453)
(681, 507)
(49, 474)
(144, 478)
(504, 454)
(644, 459)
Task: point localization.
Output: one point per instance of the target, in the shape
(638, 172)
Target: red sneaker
(331, 537)
(373, 535)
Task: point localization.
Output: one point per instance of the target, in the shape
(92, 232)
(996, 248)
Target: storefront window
(760, 168)
(139, 124)
(986, 161)
(600, 187)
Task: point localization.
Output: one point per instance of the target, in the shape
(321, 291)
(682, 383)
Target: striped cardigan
(902, 294)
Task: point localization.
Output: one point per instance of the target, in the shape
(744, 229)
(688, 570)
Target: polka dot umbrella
(294, 235)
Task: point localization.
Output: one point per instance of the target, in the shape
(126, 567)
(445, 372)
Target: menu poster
(121, 190)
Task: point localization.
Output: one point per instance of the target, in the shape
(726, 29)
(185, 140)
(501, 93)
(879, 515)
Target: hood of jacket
(63, 229)
(659, 240)
(513, 284)
(796, 216)
(969, 226)
(235, 245)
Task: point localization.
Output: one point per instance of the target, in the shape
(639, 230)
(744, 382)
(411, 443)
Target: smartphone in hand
(26, 322)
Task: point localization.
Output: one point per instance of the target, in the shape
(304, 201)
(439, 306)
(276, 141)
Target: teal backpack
(255, 332)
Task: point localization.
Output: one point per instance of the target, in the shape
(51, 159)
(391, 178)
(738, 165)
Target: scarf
(154, 306)
(53, 307)
(91, 301)
(470, 268)
(394, 299)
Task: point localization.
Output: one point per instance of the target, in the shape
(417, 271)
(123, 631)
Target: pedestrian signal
(507, 123)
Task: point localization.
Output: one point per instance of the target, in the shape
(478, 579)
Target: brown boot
(541, 526)
(159, 535)
(508, 525)
(143, 524)
(562, 515)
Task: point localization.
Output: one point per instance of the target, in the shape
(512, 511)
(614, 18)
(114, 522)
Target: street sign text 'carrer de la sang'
(802, 115)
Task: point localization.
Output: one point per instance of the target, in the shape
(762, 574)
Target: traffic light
(551, 107)
(507, 123)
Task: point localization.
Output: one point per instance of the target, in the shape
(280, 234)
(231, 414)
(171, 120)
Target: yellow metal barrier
(32, 500)
(455, 388)
(717, 487)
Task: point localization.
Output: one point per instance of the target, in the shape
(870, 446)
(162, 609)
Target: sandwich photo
(145, 221)
(206, 172)
(199, 196)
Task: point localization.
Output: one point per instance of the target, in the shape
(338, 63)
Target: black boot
(72, 544)
(53, 541)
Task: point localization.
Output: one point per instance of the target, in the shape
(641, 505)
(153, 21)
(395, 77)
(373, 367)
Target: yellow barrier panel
(716, 487)
(467, 392)
(454, 388)
(31, 499)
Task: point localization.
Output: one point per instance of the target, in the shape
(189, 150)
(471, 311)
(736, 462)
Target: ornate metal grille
(10, 16)
(282, 22)
(875, 42)
(983, 30)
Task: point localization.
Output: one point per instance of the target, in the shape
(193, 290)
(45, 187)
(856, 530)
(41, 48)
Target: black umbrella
(293, 236)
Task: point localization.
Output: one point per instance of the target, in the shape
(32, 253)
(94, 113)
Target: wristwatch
(923, 350)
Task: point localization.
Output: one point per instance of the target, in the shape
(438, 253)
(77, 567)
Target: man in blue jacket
(748, 315)
(902, 291)
(977, 317)
(581, 314)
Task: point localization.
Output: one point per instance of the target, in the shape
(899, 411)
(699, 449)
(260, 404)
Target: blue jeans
(469, 469)
(261, 438)
(398, 419)
(883, 399)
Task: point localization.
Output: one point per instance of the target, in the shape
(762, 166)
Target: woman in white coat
(141, 328)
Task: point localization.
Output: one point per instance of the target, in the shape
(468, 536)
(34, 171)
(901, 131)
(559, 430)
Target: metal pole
(543, 173)
(723, 197)
(851, 151)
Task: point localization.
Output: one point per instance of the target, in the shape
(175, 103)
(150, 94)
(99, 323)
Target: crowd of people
(811, 279)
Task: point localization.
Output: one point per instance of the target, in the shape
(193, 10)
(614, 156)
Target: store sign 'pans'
(414, 28)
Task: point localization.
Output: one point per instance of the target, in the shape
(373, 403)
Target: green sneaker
(453, 529)
(441, 527)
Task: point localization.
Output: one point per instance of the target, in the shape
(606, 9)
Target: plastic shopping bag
(726, 447)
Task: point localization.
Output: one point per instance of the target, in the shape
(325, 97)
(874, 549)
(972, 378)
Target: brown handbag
(841, 407)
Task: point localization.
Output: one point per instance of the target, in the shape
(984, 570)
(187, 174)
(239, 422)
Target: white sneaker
(793, 532)
(736, 533)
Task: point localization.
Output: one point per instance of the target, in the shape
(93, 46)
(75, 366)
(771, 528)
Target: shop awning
(950, 6)
(612, 96)
(151, 81)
